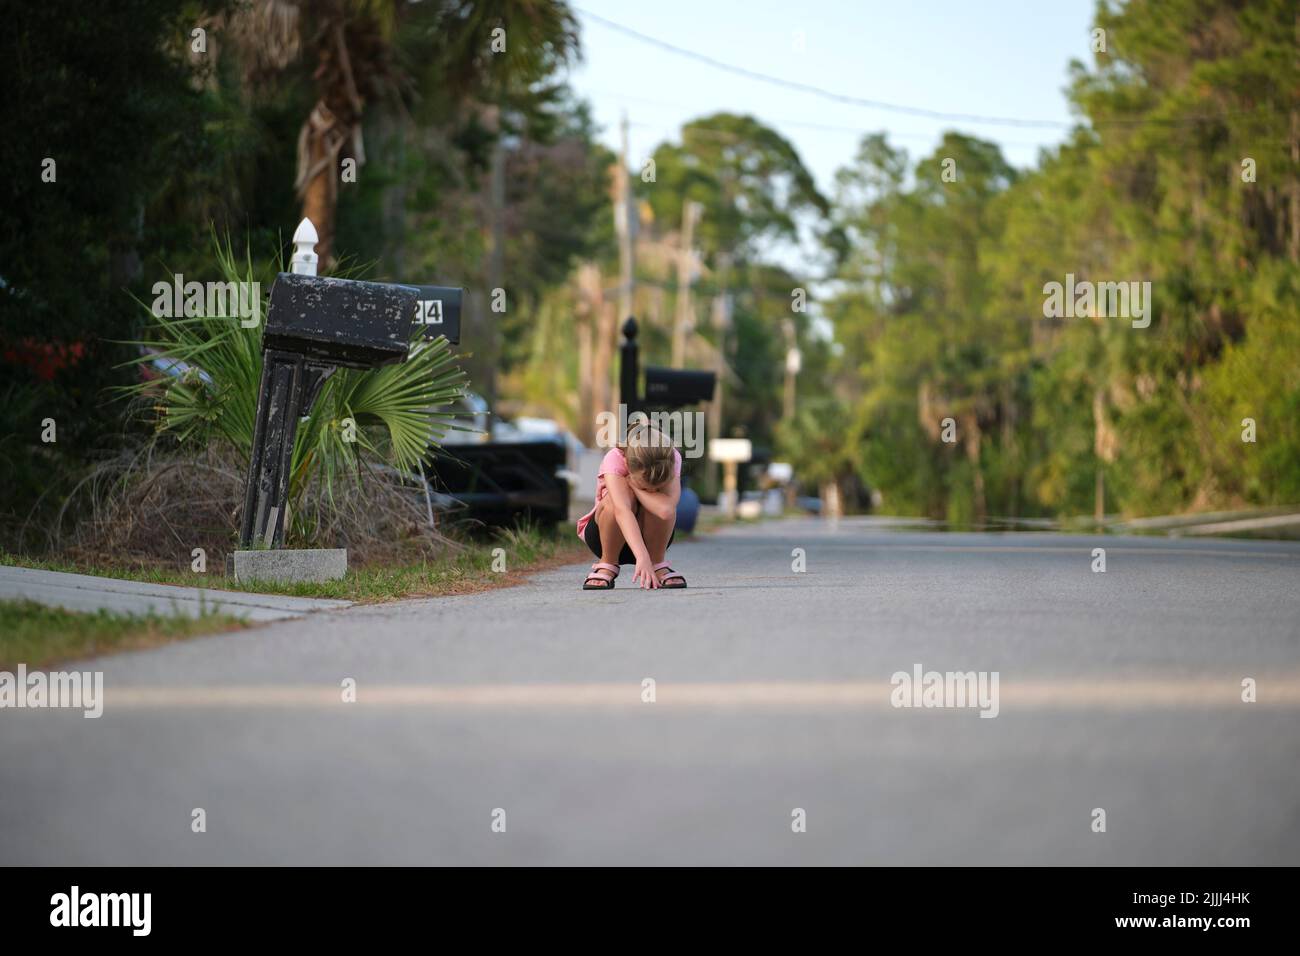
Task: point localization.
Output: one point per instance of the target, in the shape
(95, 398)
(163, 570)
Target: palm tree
(469, 51)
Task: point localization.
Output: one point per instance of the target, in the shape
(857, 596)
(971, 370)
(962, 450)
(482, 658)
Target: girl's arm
(663, 503)
(621, 495)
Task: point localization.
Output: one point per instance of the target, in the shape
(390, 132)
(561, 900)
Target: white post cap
(303, 261)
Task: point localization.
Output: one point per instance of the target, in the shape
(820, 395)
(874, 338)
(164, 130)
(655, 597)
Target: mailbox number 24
(429, 312)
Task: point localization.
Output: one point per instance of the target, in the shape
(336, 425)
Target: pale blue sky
(987, 57)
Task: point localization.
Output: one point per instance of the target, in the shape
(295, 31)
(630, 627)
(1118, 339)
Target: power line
(817, 90)
(793, 124)
(881, 104)
(698, 129)
(820, 127)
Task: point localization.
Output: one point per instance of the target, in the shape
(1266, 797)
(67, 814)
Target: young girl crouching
(636, 509)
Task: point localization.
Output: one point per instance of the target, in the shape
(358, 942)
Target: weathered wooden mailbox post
(314, 326)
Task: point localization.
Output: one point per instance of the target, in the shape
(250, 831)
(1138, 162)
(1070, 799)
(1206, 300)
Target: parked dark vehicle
(502, 474)
(501, 482)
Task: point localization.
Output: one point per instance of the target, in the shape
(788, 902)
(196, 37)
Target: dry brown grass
(151, 508)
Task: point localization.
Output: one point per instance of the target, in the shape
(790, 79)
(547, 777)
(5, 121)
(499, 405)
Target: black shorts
(591, 535)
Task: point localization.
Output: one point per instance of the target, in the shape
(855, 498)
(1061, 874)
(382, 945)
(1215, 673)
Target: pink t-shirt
(615, 463)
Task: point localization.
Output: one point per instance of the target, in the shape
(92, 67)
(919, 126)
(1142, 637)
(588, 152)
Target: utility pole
(683, 319)
(587, 316)
(496, 271)
(625, 221)
(793, 363)
(1294, 244)
(721, 325)
(1104, 448)
(595, 342)
(1099, 498)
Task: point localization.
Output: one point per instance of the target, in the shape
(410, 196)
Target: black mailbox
(677, 386)
(340, 321)
(664, 387)
(437, 311)
(313, 326)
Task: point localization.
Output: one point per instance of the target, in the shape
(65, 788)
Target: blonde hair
(650, 455)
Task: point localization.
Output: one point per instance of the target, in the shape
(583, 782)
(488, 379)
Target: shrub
(362, 422)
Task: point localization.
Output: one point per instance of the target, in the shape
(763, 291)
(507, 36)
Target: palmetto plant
(360, 420)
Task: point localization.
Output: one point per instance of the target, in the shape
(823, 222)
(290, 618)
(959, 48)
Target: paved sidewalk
(82, 592)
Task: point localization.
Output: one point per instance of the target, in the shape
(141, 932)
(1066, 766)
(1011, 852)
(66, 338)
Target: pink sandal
(607, 583)
(664, 566)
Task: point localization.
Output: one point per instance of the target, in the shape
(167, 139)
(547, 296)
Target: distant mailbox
(677, 386)
(437, 311)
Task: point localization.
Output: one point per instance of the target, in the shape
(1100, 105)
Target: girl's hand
(644, 574)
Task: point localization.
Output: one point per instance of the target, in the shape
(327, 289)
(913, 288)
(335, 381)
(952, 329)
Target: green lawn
(469, 567)
(38, 636)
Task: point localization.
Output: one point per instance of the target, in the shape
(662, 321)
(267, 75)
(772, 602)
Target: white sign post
(730, 452)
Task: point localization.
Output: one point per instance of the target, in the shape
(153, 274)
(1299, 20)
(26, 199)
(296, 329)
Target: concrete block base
(290, 564)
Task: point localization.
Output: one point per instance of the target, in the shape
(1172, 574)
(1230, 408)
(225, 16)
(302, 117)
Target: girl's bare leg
(611, 535)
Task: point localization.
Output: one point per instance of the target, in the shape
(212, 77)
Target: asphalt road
(1118, 691)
